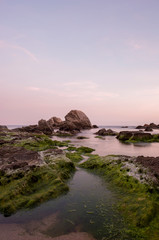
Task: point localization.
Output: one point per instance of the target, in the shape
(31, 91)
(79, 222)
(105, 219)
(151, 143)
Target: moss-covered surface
(139, 203)
(82, 137)
(26, 190)
(46, 178)
(41, 143)
(136, 139)
(100, 137)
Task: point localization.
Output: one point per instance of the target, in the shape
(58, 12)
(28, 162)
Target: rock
(124, 127)
(95, 126)
(151, 125)
(54, 121)
(78, 120)
(140, 127)
(104, 132)
(148, 129)
(45, 127)
(69, 127)
(28, 129)
(3, 128)
(13, 158)
(134, 136)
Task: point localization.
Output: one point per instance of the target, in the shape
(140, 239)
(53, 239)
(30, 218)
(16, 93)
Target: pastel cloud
(4, 44)
(82, 90)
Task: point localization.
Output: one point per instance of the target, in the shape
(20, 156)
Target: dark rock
(28, 129)
(45, 127)
(124, 127)
(140, 127)
(148, 129)
(134, 136)
(104, 132)
(3, 128)
(69, 127)
(124, 135)
(151, 125)
(95, 126)
(13, 158)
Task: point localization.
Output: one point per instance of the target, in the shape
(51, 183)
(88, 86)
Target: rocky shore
(35, 168)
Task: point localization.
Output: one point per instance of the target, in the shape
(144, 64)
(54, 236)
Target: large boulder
(78, 120)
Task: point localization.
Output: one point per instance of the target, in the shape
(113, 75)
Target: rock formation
(75, 120)
(104, 132)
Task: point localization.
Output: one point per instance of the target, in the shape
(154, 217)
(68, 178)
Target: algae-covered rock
(33, 169)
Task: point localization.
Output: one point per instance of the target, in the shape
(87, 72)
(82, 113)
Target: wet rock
(104, 132)
(13, 158)
(148, 129)
(152, 163)
(150, 126)
(134, 136)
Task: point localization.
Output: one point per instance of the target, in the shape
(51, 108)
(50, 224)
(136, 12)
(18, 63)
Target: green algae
(138, 202)
(28, 190)
(74, 157)
(41, 143)
(134, 139)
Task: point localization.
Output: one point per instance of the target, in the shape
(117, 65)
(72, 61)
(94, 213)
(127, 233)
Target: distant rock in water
(3, 128)
(148, 127)
(75, 120)
(95, 126)
(124, 127)
(104, 132)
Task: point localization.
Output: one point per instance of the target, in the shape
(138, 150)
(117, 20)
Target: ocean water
(111, 145)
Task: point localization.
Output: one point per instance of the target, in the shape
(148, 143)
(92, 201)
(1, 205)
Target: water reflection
(111, 145)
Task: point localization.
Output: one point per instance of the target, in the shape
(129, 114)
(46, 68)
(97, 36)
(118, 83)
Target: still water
(88, 207)
(111, 145)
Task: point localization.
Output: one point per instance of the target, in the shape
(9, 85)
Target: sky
(97, 56)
